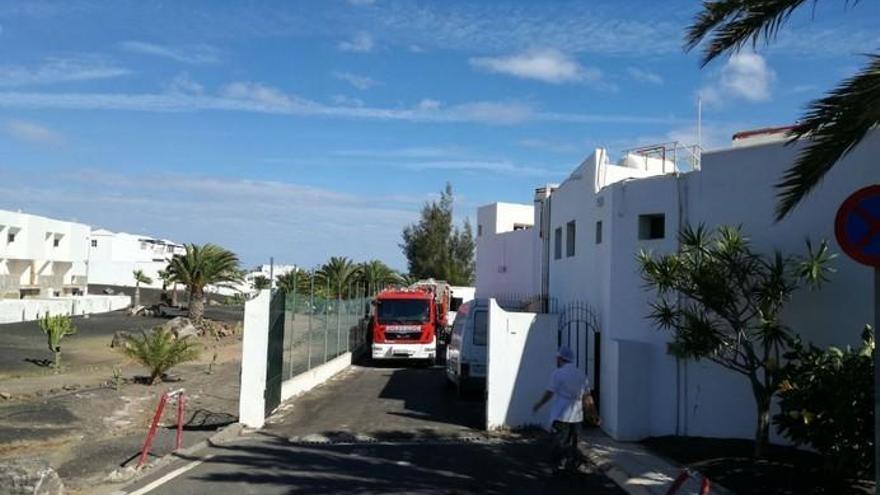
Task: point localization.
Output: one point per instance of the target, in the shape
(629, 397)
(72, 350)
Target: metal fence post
(326, 314)
(310, 314)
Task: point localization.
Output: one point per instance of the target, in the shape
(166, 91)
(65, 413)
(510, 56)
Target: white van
(466, 352)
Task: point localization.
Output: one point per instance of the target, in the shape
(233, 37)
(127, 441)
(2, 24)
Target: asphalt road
(374, 430)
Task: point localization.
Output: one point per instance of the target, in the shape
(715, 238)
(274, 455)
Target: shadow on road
(278, 467)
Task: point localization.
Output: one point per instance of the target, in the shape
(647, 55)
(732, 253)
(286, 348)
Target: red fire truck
(407, 322)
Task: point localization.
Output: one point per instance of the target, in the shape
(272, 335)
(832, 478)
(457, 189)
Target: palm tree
(262, 282)
(199, 267)
(295, 279)
(139, 278)
(336, 275)
(375, 274)
(832, 126)
(167, 280)
(159, 351)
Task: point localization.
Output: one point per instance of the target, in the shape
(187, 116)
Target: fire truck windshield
(391, 311)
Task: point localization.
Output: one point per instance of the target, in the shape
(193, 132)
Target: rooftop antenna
(699, 130)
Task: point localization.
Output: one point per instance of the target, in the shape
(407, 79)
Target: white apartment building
(578, 242)
(41, 257)
(114, 256)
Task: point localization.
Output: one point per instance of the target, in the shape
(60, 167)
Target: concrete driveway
(373, 430)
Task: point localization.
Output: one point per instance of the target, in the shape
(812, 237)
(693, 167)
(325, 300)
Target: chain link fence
(322, 322)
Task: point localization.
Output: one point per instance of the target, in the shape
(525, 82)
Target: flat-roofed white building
(114, 257)
(41, 257)
(583, 245)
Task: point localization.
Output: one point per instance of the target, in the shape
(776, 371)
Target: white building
(114, 256)
(41, 256)
(582, 244)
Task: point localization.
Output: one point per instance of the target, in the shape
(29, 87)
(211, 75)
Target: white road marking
(168, 477)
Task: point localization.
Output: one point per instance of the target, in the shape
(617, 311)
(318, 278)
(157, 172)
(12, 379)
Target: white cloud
(182, 83)
(59, 70)
(244, 96)
(30, 132)
(642, 75)
(359, 43)
(549, 66)
(359, 82)
(195, 54)
(415, 48)
(499, 167)
(362, 2)
(745, 76)
(347, 101)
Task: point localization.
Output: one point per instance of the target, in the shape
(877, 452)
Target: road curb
(223, 436)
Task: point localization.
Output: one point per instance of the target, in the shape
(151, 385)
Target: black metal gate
(578, 324)
(275, 352)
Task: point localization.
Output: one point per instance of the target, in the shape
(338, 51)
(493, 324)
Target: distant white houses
(578, 242)
(41, 257)
(114, 257)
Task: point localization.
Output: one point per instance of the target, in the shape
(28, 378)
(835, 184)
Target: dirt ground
(80, 422)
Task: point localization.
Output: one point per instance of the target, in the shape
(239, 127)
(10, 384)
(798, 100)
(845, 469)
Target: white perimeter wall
(521, 357)
(504, 264)
(15, 310)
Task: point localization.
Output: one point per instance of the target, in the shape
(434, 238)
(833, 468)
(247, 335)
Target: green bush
(159, 351)
(827, 402)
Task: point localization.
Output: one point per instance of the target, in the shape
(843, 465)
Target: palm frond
(730, 24)
(832, 126)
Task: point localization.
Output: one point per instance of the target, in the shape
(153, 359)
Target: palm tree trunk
(137, 295)
(174, 294)
(196, 305)
(762, 427)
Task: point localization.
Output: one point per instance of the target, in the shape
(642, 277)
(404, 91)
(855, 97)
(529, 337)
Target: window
(599, 232)
(481, 326)
(479, 230)
(56, 242)
(569, 239)
(10, 237)
(652, 226)
(94, 243)
(557, 238)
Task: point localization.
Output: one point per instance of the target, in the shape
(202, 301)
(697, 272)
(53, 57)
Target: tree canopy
(832, 126)
(435, 248)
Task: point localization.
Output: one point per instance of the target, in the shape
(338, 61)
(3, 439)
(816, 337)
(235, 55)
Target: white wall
(16, 310)
(504, 264)
(254, 352)
(521, 357)
(114, 256)
(644, 390)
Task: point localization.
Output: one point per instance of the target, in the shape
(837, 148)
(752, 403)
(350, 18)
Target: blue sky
(302, 130)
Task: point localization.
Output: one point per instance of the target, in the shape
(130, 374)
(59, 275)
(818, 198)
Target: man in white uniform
(569, 389)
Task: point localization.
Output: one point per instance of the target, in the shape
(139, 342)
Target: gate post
(254, 357)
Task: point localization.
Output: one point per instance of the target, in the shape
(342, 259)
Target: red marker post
(857, 228)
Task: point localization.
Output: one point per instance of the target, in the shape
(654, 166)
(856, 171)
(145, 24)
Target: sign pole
(876, 381)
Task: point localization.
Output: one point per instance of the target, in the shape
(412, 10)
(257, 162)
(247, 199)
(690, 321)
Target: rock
(108, 291)
(70, 387)
(181, 327)
(29, 477)
(136, 310)
(119, 338)
(213, 302)
(121, 475)
(5, 395)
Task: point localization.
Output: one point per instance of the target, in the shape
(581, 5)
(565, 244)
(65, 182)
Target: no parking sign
(857, 226)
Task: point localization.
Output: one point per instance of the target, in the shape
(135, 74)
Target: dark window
(481, 325)
(569, 239)
(599, 232)
(455, 303)
(652, 226)
(557, 248)
(402, 311)
(479, 230)
(56, 242)
(94, 243)
(10, 237)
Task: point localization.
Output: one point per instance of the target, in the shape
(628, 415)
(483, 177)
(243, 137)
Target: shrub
(827, 402)
(159, 351)
(56, 328)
